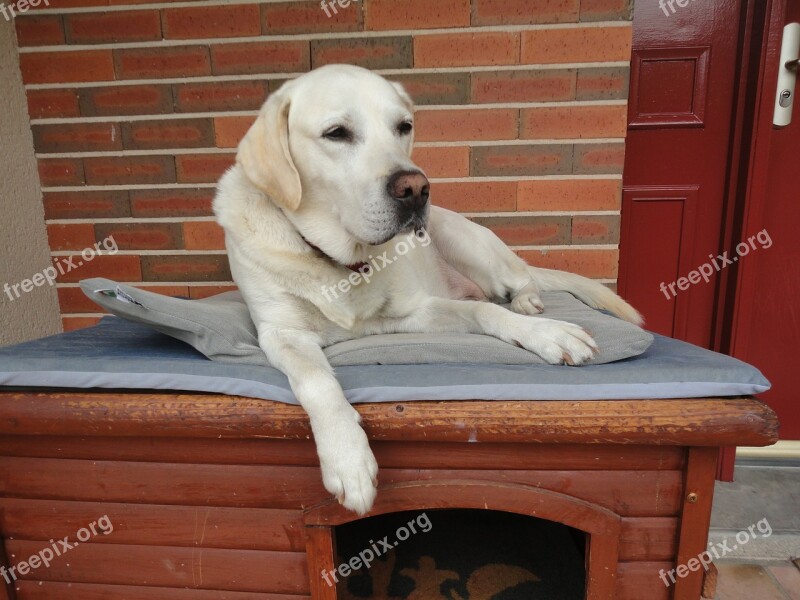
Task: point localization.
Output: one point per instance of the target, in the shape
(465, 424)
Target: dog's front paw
(527, 303)
(557, 342)
(527, 300)
(349, 469)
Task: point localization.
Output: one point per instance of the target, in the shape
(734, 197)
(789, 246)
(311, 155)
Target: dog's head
(334, 145)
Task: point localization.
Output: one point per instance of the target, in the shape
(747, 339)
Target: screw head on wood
(691, 498)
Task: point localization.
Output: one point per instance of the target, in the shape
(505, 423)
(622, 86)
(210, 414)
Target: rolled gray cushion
(220, 327)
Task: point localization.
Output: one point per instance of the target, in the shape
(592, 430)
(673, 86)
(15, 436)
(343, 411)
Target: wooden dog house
(221, 497)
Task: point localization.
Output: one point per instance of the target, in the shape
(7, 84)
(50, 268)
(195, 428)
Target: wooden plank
(447, 455)
(648, 539)
(7, 591)
(164, 566)
(51, 590)
(640, 580)
(321, 552)
(698, 496)
(696, 422)
(629, 493)
(157, 525)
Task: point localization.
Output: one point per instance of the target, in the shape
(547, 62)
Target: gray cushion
(119, 354)
(221, 328)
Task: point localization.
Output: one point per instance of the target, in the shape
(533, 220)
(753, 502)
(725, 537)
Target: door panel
(670, 211)
(766, 323)
(680, 115)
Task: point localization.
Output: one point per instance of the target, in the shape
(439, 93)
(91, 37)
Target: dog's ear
(401, 91)
(264, 153)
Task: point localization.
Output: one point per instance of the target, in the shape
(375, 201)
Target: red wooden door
(680, 115)
(766, 322)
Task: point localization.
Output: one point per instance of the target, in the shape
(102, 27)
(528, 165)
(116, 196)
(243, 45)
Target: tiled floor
(758, 564)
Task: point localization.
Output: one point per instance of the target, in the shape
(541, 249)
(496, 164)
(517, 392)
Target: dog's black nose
(411, 188)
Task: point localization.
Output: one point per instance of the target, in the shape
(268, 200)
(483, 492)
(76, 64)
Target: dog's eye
(404, 128)
(338, 134)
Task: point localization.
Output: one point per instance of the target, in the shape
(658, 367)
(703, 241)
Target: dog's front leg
(349, 469)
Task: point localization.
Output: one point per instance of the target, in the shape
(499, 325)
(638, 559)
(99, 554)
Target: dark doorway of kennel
(409, 512)
(458, 554)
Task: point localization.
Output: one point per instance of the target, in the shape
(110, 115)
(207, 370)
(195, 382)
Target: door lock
(787, 75)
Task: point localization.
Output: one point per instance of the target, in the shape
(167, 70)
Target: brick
(576, 44)
(570, 194)
(524, 12)
(46, 104)
(113, 27)
(284, 18)
(527, 230)
(605, 83)
(73, 300)
(475, 196)
(67, 67)
(197, 292)
(599, 158)
(443, 161)
(177, 133)
(383, 15)
(69, 323)
(174, 291)
(203, 235)
(54, 4)
(202, 168)
(436, 88)
(60, 171)
(129, 170)
(220, 96)
(558, 122)
(234, 20)
(70, 237)
(39, 30)
(596, 264)
(370, 53)
(260, 57)
(211, 267)
(116, 267)
(466, 49)
(508, 161)
(467, 124)
(172, 203)
(157, 63)
(524, 86)
(228, 131)
(125, 100)
(78, 137)
(85, 205)
(142, 236)
(595, 229)
(606, 10)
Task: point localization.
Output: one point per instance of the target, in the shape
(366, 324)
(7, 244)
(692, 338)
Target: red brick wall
(137, 110)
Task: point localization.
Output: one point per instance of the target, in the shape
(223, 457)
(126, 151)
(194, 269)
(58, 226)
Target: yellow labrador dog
(321, 201)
